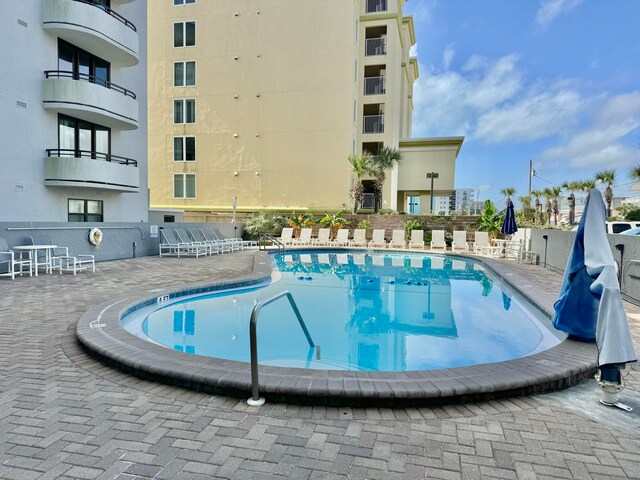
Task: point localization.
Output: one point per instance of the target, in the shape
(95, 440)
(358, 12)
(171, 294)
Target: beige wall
(420, 156)
(275, 91)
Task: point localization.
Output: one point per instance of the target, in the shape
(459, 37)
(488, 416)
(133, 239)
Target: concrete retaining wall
(558, 247)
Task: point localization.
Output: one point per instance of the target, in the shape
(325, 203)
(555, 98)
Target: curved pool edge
(101, 335)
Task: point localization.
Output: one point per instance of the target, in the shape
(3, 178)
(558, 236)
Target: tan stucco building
(263, 100)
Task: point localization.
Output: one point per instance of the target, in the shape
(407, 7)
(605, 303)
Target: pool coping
(99, 332)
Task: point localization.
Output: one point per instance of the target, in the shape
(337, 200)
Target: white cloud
(447, 56)
(550, 9)
(601, 144)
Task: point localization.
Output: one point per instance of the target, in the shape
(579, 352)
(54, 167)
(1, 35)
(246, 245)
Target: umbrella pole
(611, 383)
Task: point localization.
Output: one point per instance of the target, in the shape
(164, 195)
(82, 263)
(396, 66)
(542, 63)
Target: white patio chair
(304, 239)
(187, 239)
(211, 234)
(171, 245)
(437, 240)
(77, 263)
(286, 237)
(323, 237)
(377, 239)
(417, 239)
(15, 261)
(397, 239)
(483, 246)
(359, 238)
(460, 241)
(215, 246)
(50, 258)
(342, 238)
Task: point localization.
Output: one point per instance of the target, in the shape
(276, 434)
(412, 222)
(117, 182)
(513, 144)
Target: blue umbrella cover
(509, 226)
(590, 306)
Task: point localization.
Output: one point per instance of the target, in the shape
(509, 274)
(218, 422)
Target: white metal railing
(374, 86)
(373, 124)
(376, 6)
(376, 46)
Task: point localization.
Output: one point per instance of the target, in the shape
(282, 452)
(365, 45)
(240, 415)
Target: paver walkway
(65, 415)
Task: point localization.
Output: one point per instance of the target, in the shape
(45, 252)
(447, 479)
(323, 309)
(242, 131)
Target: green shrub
(264, 222)
(411, 225)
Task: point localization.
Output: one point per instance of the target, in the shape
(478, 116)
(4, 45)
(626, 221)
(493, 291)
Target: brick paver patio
(65, 415)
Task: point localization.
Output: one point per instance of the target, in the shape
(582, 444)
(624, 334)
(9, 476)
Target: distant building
(74, 96)
(460, 202)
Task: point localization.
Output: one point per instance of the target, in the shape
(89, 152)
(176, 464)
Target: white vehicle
(621, 226)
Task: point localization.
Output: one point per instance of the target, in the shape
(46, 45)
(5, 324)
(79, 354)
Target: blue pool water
(366, 311)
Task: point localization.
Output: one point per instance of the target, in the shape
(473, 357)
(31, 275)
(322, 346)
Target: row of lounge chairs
(481, 245)
(196, 242)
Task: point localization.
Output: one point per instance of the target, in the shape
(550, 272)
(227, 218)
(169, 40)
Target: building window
(82, 65)
(184, 34)
(184, 111)
(183, 2)
(78, 138)
(85, 210)
(184, 185)
(184, 74)
(184, 149)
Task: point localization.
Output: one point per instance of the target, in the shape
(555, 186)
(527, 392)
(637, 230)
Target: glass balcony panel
(376, 46)
(374, 86)
(373, 124)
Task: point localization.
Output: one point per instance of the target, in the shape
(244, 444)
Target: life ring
(95, 237)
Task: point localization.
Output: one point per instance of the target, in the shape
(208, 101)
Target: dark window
(183, 2)
(184, 149)
(184, 34)
(77, 138)
(85, 210)
(169, 218)
(82, 64)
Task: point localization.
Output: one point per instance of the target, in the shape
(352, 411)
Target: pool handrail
(275, 241)
(255, 400)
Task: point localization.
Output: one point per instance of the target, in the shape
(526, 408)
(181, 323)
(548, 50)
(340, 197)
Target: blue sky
(554, 81)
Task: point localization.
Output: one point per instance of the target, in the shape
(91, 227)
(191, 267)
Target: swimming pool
(371, 311)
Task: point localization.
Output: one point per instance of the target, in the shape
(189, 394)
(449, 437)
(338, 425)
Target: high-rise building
(459, 202)
(73, 99)
(263, 101)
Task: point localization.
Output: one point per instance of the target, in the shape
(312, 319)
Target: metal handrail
(107, 10)
(107, 157)
(89, 78)
(272, 239)
(255, 399)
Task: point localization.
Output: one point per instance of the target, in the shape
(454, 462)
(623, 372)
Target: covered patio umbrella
(590, 306)
(509, 226)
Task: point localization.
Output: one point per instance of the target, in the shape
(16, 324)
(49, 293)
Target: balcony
(375, 46)
(94, 100)
(93, 27)
(79, 168)
(374, 86)
(373, 124)
(373, 6)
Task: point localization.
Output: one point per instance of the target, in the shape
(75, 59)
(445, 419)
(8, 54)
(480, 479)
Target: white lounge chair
(483, 246)
(437, 240)
(323, 237)
(77, 263)
(286, 237)
(417, 239)
(460, 241)
(171, 245)
(16, 262)
(342, 238)
(215, 246)
(359, 238)
(378, 239)
(188, 239)
(304, 238)
(397, 239)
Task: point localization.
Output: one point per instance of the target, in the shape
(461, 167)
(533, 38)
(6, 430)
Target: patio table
(33, 255)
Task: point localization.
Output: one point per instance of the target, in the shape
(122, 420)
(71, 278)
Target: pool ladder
(256, 400)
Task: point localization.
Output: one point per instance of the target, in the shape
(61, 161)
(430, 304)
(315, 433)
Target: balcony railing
(374, 86)
(373, 124)
(89, 78)
(115, 15)
(376, 6)
(107, 157)
(376, 46)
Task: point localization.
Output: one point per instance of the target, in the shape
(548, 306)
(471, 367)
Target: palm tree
(572, 187)
(635, 173)
(586, 185)
(386, 159)
(556, 210)
(538, 214)
(525, 200)
(548, 195)
(360, 166)
(507, 192)
(607, 177)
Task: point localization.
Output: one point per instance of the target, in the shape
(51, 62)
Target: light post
(432, 175)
